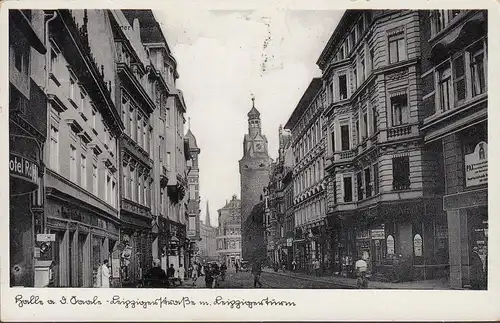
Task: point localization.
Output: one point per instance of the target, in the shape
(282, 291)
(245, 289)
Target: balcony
(399, 132)
(135, 208)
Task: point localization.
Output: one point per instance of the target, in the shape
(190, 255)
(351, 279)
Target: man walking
(256, 271)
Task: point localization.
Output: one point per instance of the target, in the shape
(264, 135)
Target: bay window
(400, 113)
(347, 188)
(445, 88)
(400, 173)
(459, 82)
(477, 70)
(397, 47)
(345, 138)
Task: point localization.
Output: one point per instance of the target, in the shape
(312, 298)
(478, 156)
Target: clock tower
(254, 175)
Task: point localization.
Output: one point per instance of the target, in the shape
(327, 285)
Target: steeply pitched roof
(253, 113)
(192, 140)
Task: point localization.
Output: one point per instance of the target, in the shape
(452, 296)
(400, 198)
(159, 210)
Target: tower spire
(253, 100)
(189, 123)
(207, 219)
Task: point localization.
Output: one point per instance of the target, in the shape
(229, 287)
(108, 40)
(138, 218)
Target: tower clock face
(259, 146)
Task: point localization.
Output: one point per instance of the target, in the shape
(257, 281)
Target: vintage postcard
(248, 161)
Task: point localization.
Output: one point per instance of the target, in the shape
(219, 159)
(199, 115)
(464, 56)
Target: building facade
(193, 229)
(254, 169)
(383, 202)
(229, 233)
(455, 125)
(308, 147)
(82, 206)
(279, 230)
(27, 135)
(208, 244)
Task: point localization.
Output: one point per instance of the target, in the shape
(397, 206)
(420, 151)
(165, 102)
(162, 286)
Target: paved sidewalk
(434, 284)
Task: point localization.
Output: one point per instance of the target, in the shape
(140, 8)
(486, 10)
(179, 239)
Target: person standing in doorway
(316, 267)
(256, 271)
(105, 274)
(361, 267)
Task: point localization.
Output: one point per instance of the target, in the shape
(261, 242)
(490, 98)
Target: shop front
(136, 243)
(83, 237)
(401, 241)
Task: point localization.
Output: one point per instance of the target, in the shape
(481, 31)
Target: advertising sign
(417, 245)
(390, 245)
(378, 234)
(22, 167)
(45, 237)
(289, 242)
(476, 165)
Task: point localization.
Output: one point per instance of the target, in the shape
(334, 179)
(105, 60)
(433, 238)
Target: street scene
(240, 149)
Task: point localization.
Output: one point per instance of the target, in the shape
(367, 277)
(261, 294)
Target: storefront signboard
(363, 234)
(417, 245)
(25, 171)
(378, 234)
(41, 237)
(476, 165)
(390, 245)
(289, 242)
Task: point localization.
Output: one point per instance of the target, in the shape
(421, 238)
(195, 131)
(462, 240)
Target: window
(139, 191)
(445, 88)
(374, 118)
(358, 134)
(72, 163)
(145, 136)
(94, 117)
(375, 178)
(362, 70)
(139, 130)
(131, 123)
(113, 193)
(361, 27)
(95, 180)
(344, 136)
(72, 89)
(162, 203)
(83, 171)
(54, 59)
(54, 149)
(401, 173)
(400, 113)
(125, 184)
(343, 87)
(329, 90)
(371, 57)
(397, 48)
(132, 185)
(359, 181)
(333, 140)
(347, 189)
(459, 85)
(355, 77)
(168, 161)
(368, 183)
(107, 191)
(21, 57)
(352, 38)
(365, 126)
(440, 19)
(342, 54)
(83, 101)
(477, 71)
(369, 17)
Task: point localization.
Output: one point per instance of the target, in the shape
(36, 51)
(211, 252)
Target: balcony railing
(399, 131)
(347, 154)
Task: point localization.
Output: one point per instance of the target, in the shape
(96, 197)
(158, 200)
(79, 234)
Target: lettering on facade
(417, 245)
(378, 234)
(476, 165)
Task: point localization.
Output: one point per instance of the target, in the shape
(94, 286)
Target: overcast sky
(225, 56)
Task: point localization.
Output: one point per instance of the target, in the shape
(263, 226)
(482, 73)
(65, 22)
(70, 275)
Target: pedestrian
(236, 266)
(316, 267)
(361, 267)
(105, 274)
(256, 271)
(294, 265)
(208, 277)
(477, 280)
(181, 273)
(156, 274)
(171, 274)
(194, 274)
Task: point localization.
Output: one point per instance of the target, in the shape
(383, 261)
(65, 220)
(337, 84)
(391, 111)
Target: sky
(225, 57)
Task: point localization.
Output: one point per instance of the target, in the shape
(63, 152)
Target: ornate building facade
(308, 146)
(208, 244)
(229, 233)
(383, 202)
(455, 126)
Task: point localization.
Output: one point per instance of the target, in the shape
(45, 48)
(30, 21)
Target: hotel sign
(23, 168)
(476, 165)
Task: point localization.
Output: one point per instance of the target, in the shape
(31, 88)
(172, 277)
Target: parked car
(245, 266)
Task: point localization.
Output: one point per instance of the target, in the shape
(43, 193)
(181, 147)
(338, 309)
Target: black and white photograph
(247, 149)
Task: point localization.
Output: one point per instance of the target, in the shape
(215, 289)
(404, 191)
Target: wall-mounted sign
(363, 234)
(417, 245)
(378, 234)
(476, 165)
(289, 242)
(45, 237)
(390, 245)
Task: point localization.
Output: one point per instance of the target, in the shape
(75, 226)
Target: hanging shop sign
(42, 237)
(476, 165)
(390, 245)
(24, 172)
(417, 245)
(378, 234)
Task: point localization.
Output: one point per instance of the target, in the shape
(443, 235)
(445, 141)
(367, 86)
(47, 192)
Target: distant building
(254, 229)
(193, 229)
(254, 176)
(229, 233)
(207, 244)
